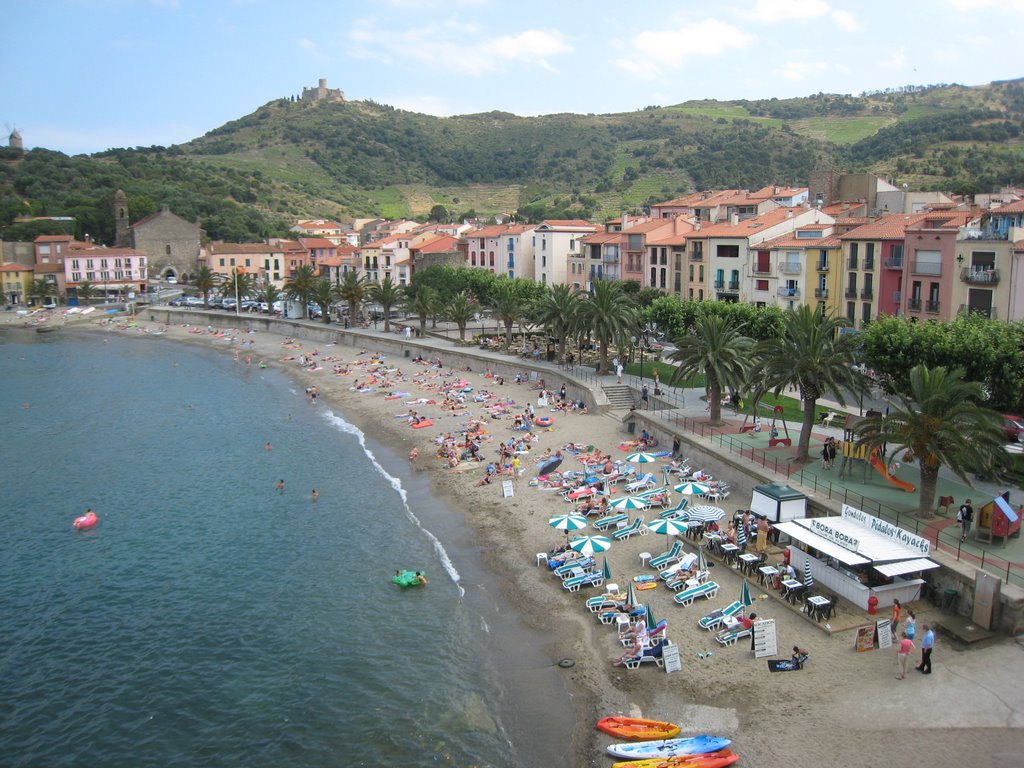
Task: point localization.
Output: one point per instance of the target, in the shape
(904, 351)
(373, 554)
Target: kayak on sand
(713, 760)
(636, 728)
(643, 750)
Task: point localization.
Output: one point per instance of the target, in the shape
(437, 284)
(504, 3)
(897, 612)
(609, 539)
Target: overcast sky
(88, 75)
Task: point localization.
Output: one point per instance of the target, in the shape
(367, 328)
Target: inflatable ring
(566, 663)
(544, 421)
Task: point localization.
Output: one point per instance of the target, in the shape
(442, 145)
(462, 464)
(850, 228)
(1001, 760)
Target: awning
(821, 544)
(906, 566)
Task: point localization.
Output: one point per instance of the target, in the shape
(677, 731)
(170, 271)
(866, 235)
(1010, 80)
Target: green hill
(254, 176)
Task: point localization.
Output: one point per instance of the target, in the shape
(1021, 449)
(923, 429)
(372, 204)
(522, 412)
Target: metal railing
(931, 306)
(893, 263)
(821, 293)
(979, 276)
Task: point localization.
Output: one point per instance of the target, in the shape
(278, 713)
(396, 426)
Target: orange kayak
(712, 760)
(637, 729)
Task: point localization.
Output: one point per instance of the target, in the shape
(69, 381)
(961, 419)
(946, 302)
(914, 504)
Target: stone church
(171, 244)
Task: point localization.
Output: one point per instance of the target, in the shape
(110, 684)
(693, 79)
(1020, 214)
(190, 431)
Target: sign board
(533, 375)
(670, 657)
(765, 642)
(865, 638)
(826, 531)
(887, 529)
(506, 489)
(884, 634)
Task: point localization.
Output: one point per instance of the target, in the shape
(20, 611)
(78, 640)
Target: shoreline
(728, 693)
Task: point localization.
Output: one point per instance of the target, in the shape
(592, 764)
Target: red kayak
(637, 729)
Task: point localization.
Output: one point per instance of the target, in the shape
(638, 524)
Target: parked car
(1013, 428)
(249, 306)
(172, 280)
(313, 311)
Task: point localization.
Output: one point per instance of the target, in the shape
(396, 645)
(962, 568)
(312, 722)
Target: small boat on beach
(637, 728)
(645, 750)
(720, 759)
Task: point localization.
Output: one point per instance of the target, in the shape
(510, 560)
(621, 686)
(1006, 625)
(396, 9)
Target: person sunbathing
(634, 650)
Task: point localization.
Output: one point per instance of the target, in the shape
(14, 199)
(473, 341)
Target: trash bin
(949, 599)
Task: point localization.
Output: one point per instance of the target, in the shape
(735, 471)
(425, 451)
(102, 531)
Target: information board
(670, 657)
(884, 633)
(865, 638)
(506, 489)
(765, 642)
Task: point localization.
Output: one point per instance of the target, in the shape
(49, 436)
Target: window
(691, 273)
(221, 261)
(761, 285)
(851, 285)
(928, 263)
(853, 255)
(728, 251)
(869, 256)
(851, 311)
(167, 249)
(700, 272)
(865, 314)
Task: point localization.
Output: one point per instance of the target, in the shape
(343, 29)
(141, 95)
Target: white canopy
(820, 543)
(906, 566)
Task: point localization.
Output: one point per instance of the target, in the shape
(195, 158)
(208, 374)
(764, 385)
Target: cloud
(654, 51)
(846, 21)
(783, 10)
(898, 60)
(982, 5)
(310, 47)
(799, 70)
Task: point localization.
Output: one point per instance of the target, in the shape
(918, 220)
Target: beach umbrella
(549, 466)
(589, 545)
(705, 513)
(628, 503)
(745, 595)
(808, 579)
(649, 618)
(668, 527)
(606, 570)
(691, 488)
(631, 594)
(702, 563)
(568, 522)
(641, 458)
(741, 534)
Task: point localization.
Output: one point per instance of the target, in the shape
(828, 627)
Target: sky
(83, 76)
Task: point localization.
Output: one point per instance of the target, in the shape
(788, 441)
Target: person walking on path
(927, 643)
(657, 382)
(618, 373)
(644, 395)
(906, 647)
(964, 516)
(894, 620)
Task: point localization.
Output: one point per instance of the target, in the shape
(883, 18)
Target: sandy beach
(844, 708)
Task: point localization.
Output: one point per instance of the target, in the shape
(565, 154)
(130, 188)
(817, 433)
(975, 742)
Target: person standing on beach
(927, 643)
(906, 647)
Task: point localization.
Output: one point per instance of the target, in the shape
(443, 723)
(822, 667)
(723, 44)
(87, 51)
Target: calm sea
(209, 619)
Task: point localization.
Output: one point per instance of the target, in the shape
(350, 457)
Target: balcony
(851, 293)
(931, 306)
(975, 276)
(869, 263)
(760, 270)
(821, 293)
(719, 285)
(790, 268)
(696, 256)
(789, 293)
(927, 268)
(734, 285)
(894, 263)
(914, 303)
(990, 312)
(851, 262)
(867, 294)
(984, 234)
(822, 266)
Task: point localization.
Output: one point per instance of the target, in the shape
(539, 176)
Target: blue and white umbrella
(568, 522)
(641, 458)
(705, 513)
(702, 563)
(628, 503)
(589, 545)
(808, 578)
(668, 527)
(691, 488)
(741, 534)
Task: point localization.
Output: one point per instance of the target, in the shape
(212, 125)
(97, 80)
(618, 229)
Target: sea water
(210, 619)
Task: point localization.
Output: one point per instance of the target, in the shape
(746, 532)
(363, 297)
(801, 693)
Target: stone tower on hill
(322, 92)
(14, 141)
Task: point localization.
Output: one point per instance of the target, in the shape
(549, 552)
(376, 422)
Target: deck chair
(667, 558)
(683, 563)
(637, 526)
(610, 521)
(708, 589)
(564, 570)
(698, 578)
(643, 483)
(652, 654)
(714, 619)
(608, 617)
(594, 579)
(731, 636)
(676, 511)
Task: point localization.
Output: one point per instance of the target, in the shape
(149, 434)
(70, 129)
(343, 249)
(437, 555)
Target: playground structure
(854, 452)
(773, 430)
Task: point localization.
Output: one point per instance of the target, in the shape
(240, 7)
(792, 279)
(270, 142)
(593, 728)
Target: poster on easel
(765, 642)
(506, 489)
(670, 657)
(884, 634)
(865, 638)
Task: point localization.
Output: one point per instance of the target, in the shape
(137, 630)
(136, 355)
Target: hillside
(253, 176)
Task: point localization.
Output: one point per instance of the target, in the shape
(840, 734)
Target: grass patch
(842, 130)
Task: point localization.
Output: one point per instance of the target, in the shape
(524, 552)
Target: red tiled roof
(216, 248)
(441, 244)
(53, 239)
(316, 242)
(886, 228)
(569, 223)
(1016, 207)
(16, 268)
(747, 226)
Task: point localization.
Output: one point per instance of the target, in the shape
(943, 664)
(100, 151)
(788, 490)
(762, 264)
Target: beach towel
(784, 665)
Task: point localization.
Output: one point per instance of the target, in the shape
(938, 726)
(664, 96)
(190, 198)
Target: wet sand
(844, 708)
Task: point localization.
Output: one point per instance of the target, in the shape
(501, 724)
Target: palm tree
(323, 295)
(300, 287)
(42, 289)
(508, 306)
(352, 290)
(812, 356)
(460, 310)
(85, 291)
(716, 349)
(422, 304)
(205, 281)
(557, 312)
(609, 315)
(940, 423)
(237, 284)
(269, 295)
(387, 294)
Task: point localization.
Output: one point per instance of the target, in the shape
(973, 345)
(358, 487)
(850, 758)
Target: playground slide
(881, 469)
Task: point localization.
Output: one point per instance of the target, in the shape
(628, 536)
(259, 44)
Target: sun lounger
(683, 563)
(610, 520)
(708, 589)
(698, 578)
(679, 510)
(667, 558)
(584, 562)
(609, 617)
(731, 636)
(637, 526)
(573, 583)
(646, 482)
(714, 619)
(654, 653)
